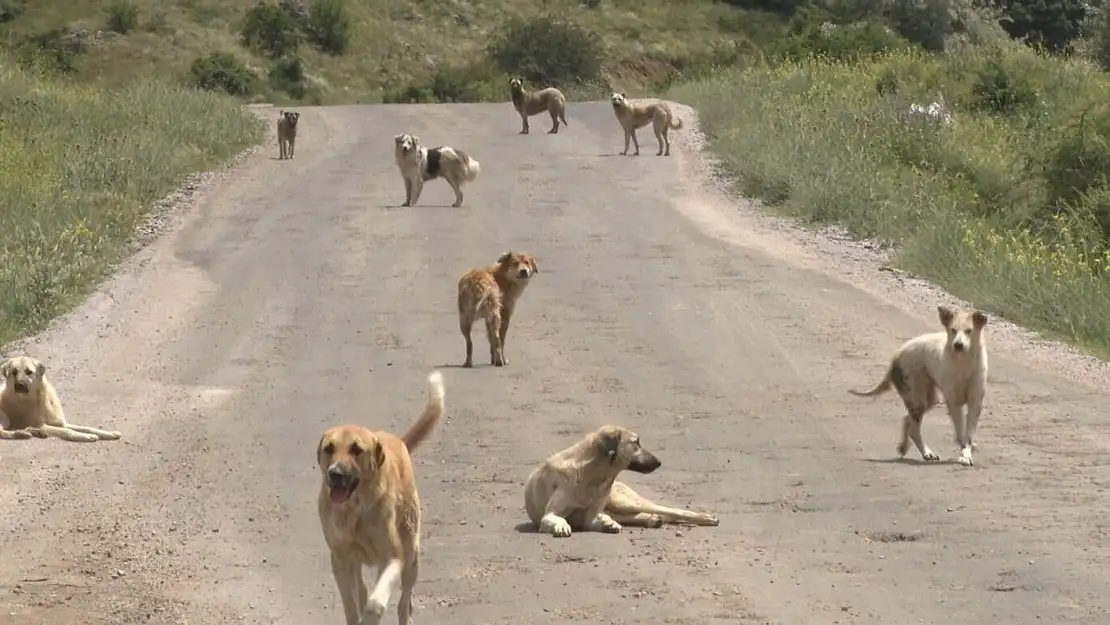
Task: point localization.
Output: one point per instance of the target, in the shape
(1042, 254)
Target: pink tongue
(338, 495)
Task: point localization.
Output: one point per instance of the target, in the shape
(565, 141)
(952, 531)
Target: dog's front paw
(930, 456)
(974, 445)
(560, 529)
(22, 435)
(712, 520)
(654, 521)
(965, 457)
(903, 448)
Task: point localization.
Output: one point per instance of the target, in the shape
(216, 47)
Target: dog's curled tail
(429, 419)
(882, 387)
(472, 169)
(676, 123)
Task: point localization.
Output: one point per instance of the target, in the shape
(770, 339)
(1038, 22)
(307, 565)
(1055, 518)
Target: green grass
(80, 167)
(1007, 207)
(397, 43)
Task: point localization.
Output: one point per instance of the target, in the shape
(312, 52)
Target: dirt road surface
(297, 295)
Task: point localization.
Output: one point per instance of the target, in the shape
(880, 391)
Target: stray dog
(287, 133)
(953, 361)
(634, 116)
(577, 489)
(490, 293)
(370, 510)
(419, 164)
(529, 103)
(29, 406)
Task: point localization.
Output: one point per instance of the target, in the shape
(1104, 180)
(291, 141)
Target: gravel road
(295, 295)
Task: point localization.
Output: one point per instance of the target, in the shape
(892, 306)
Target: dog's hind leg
(640, 519)
(15, 435)
(602, 522)
(915, 417)
(625, 504)
(466, 324)
(408, 582)
(457, 188)
(493, 335)
(554, 122)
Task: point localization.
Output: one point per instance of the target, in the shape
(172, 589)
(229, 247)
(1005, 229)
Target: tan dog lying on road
(953, 361)
(576, 489)
(29, 406)
(633, 116)
(529, 103)
(370, 510)
(419, 165)
(287, 133)
(490, 293)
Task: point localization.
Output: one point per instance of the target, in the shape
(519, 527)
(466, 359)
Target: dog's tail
(883, 385)
(433, 412)
(563, 114)
(470, 166)
(676, 123)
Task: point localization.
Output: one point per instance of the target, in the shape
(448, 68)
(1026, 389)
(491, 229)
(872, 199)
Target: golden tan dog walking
(419, 165)
(529, 103)
(287, 133)
(370, 510)
(953, 361)
(491, 293)
(576, 488)
(634, 116)
(30, 407)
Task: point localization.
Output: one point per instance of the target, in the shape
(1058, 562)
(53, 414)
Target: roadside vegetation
(1002, 197)
(80, 168)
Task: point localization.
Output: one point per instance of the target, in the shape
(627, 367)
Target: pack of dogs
(368, 502)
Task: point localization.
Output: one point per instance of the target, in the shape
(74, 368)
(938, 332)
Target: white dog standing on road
(955, 361)
(419, 165)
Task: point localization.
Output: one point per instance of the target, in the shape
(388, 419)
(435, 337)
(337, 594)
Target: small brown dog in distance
(491, 293)
(953, 361)
(529, 103)
(370, 510)
(577, 488)
(633, 116)
(287, 133)
(29, 406)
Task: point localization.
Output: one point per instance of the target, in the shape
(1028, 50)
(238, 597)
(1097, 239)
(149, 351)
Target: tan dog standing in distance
(419, 165)
(287, 133)
(633, 116)
(529, 103)
(577, 488)
(370, 510)
(491, 293)
(953, 361)
(29, 406)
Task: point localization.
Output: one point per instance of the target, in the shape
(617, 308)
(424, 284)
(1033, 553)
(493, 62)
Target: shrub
(123, 16)
(1080, 164)
(11, 9)
(546, 51)
(329, 26)
(857, 40)
(222, 71)
(54, 50)
(1053, 24)
(1000, 89)
(270, 29)
(288, 75)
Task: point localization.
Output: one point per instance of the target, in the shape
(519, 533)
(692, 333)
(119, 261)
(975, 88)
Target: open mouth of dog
(22, 388)
(341, 487)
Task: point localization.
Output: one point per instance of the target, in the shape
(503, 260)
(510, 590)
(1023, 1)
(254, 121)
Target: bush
(77, 177)
(271, 30)
(288, 75)
(546, 51)
(11, 9)
(54, 50)
(1023, 198)
(222, 71)
(1052, 24)
(329, 26)
(475, 83)
(123, 16)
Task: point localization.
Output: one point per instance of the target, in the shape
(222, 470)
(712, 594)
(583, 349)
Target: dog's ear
(319, 448)
(6, 368)
(609, 444)
(40, 368)
(979, 318)
(623, 95)
(535, 267)
(377, 453)
(945, 314)
(398, 139)
(505, 257)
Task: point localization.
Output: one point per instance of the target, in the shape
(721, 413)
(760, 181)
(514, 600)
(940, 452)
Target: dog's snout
(22, 387)
(522, 273)
(336, 473)
(958, 346)
(645, 463)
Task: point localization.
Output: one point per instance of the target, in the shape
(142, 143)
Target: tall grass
(80, 167)
(1007, 205)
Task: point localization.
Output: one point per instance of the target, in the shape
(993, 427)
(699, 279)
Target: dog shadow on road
(910, 461)
(526, 528)
(458, 366)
